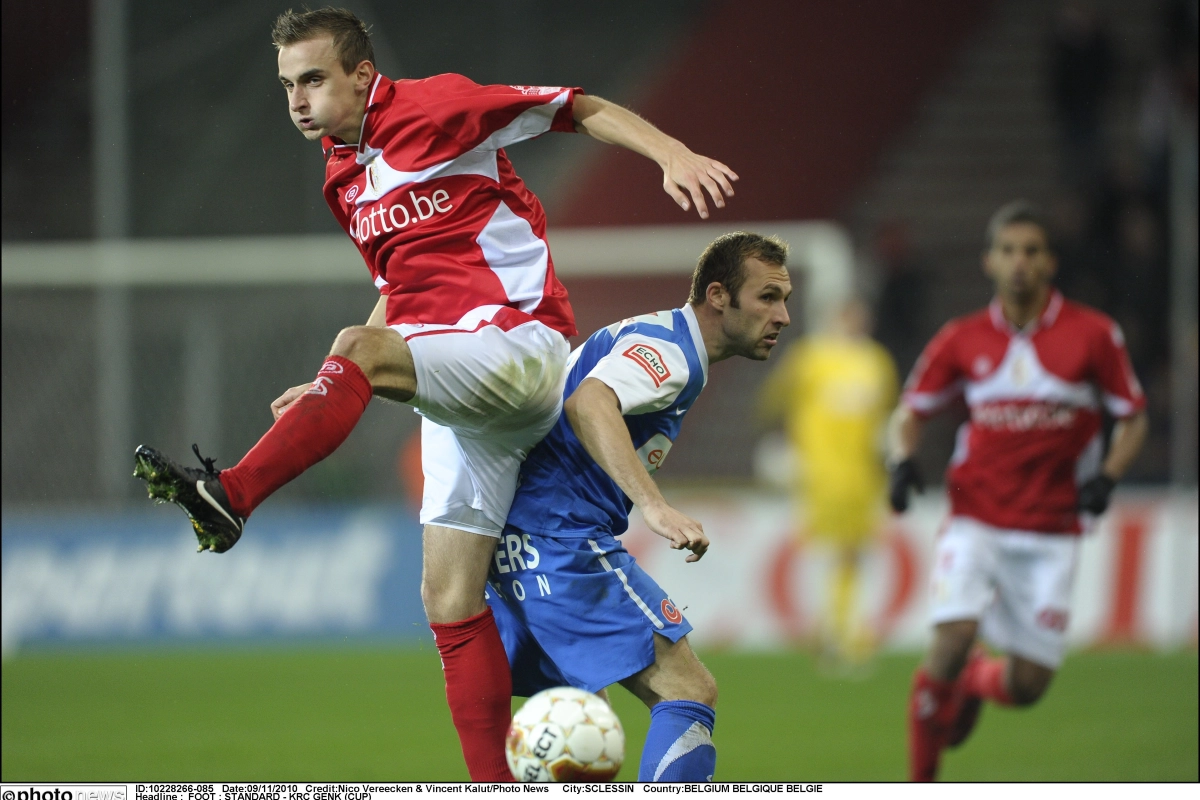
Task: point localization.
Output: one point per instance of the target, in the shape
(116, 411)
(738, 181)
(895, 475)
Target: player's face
(1019, 261)
(752, 329)
(322, 99)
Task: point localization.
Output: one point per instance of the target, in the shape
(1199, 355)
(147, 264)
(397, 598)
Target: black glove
(1095, 494)
(901, 478)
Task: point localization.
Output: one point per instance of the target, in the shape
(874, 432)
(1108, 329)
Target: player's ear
(717, 296)
(364, 73)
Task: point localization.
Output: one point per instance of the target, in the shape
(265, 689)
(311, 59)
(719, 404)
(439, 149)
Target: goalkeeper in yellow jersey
(834, 391)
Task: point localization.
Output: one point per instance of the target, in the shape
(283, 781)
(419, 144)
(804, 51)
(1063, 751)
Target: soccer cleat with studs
(197, 491)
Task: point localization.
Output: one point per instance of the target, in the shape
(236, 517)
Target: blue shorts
(576, 612)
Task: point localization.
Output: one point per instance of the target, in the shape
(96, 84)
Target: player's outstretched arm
(282, 403)
(595, 415)
(684, 173)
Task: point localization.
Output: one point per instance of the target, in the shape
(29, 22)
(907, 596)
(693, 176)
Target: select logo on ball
(565, 735)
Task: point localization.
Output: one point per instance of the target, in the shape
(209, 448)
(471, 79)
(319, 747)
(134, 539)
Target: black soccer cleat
(197, 491)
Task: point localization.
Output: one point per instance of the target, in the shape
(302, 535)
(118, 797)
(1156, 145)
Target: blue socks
(679, 744)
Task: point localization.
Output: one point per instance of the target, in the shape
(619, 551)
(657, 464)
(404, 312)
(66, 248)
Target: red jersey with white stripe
(1035, 399)
(450, 233)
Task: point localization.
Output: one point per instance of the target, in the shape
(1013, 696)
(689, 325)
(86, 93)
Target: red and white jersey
(1035, 399)
(450, 233)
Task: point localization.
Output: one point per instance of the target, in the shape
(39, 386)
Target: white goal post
(821, 250)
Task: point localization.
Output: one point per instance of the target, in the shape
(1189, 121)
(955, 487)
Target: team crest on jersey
(650, 360)
(1020, 371)
(373, 177)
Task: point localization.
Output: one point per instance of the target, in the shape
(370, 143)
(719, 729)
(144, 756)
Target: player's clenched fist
(684, 532)
(285, 400)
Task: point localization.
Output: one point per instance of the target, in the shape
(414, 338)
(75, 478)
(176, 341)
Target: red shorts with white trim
(1016, 584)
(487, 395)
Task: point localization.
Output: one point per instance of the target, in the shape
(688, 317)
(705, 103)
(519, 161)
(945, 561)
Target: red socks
(479, 691)
(986, 677)
(931, 710)
(312, 428)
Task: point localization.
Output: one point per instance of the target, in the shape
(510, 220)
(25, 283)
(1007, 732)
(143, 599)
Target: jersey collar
(382, 89)
(1046, 319)
(693, 324)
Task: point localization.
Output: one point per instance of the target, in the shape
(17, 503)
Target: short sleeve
(1114, 373)
(936, 379)
(495, 116)
(647, 374)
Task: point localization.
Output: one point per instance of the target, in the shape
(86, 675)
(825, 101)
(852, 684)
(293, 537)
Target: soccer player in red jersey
(471, 326)
(1027, 474)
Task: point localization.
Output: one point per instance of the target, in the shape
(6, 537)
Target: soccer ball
(565, 735)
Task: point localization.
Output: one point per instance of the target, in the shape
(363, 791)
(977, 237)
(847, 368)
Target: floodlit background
(169, 267)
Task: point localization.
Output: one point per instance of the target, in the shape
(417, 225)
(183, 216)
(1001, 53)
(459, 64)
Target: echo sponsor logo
(650, 360)
(375, 220)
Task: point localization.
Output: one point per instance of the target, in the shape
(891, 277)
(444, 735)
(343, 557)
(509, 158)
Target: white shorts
(1016, 584)
(487, 397)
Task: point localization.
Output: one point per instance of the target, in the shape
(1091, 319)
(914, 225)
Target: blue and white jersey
(657, 365)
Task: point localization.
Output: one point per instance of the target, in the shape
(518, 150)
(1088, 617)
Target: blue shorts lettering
(576, 612)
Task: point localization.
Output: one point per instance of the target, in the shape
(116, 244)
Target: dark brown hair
(724, 260)
(351, 39)
(1014, 213)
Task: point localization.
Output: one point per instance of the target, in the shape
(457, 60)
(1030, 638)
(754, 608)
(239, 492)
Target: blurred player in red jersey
(471, 327)
(1036, 372)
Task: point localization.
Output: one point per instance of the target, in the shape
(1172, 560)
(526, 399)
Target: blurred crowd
(1110, 212)
(1111, 216)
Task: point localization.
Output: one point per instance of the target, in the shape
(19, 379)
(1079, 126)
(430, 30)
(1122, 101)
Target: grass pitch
(380, 715)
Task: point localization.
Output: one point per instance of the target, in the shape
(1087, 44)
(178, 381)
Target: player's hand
(682, 531)
(901, 478)
(694, 174)
(1095, 494)
(285, 400)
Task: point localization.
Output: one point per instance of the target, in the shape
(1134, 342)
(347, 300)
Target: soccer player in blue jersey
(572, 605)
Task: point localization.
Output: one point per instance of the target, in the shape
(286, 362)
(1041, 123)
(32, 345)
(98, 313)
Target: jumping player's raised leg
(319, 416)
(681, 695)
(313, 425)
